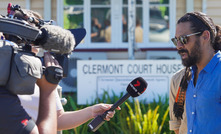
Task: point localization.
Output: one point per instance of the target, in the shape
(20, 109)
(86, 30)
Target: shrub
(134, 117)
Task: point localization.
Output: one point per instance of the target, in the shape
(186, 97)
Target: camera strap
(10, 63)
(53, 74)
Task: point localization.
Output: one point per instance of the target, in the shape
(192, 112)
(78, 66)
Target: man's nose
(179, 45)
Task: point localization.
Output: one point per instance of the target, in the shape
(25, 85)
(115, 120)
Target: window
(100, 21)
(138, 21)
(159, 21)
(73, 14)
(106, 22)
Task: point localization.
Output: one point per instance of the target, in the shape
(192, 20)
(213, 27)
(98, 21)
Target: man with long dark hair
(197, 40)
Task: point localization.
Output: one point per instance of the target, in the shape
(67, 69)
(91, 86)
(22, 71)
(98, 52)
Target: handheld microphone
(134, 89)
(58, 40)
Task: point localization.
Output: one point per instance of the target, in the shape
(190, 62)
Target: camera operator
(13, 117)
(65, 120)
(15, 120)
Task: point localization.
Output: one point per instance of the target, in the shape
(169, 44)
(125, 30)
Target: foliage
(134, 117)
(73, 14)
(146, 123)
(73, 2)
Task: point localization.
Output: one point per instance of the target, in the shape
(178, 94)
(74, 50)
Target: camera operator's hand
(49, 61)
(53, 72)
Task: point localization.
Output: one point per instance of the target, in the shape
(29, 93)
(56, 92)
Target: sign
(96, 76)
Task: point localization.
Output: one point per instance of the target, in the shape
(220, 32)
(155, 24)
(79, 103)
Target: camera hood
(18, 28)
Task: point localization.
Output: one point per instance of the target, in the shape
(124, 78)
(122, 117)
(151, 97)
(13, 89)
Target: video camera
(23, 30)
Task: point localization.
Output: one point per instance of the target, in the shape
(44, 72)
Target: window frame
(116, 35)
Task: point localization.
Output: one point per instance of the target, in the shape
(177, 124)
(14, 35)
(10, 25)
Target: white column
(87, 21)
(47, 9)
(204, 6)
(131, 28)
(27, 4)
(60, 17)
(172, 19)
(189, 5)
(116, 21)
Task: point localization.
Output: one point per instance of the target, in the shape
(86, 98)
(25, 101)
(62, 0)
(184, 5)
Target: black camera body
(19, 31)
(20, 68)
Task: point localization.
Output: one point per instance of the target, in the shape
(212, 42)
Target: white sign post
(96, 76)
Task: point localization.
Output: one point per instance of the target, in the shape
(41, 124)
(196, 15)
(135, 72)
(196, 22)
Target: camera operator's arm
(47, 118)
(72, 119)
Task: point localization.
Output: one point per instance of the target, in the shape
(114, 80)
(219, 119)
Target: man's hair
(201, 22)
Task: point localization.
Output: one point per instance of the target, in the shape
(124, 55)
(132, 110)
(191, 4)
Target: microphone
(134, 89)
(58, 40)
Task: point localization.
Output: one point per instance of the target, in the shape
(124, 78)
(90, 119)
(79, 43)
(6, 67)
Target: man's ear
(206, 35)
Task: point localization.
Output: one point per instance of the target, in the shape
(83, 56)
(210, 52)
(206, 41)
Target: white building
(157, 19)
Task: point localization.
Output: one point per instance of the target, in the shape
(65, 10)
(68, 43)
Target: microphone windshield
(137, 87)
(58, 40)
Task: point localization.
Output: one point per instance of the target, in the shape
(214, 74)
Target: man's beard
(194, 56)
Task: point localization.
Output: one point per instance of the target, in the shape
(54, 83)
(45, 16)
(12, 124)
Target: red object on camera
(9, 8)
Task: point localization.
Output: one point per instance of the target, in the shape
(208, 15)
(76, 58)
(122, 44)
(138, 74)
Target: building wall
(213, 7)
(4, 5)
(214, 10)
(198, 5)
(36, 5)
(180, 8)
(54, 10)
